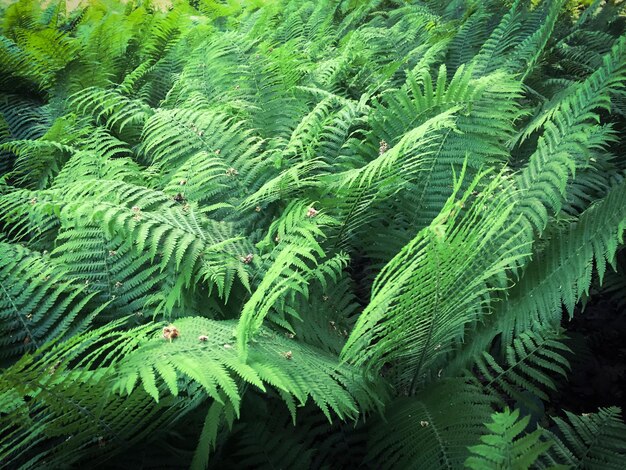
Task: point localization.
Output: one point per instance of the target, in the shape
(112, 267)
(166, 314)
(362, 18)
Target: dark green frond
(529, 364)
(39, 302)
(432, 429)
(561, 272)
(593, 440)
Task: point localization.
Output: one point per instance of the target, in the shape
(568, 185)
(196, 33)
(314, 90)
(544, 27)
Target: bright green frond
(506, 445)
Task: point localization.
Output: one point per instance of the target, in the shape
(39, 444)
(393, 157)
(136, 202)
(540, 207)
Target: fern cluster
(291, 234)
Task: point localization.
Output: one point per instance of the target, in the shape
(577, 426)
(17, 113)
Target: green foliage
(432, 429)
(39, 301)
(530, 361)
(593, 440)
(287, 234)
(504, 446)
(561, 272)
(203, 351)
(428, 286)
(49, 401)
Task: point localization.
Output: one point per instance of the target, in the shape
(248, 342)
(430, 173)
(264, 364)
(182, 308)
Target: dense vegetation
(322, 234)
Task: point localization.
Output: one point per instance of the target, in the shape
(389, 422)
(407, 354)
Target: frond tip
(505, 446)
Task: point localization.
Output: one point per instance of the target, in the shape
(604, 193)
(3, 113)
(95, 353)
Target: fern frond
(438, 284)
(468, 39)
(592, 94)
(430, 430)
(324, 129)
(180, 237)
(94, 166)
(564, 145)
(35, 55)
(295, 263)
(527, 53)
(503, 38)
(530, 362)
(50, 51)
(123, 280)
(106, 41)
(29, 216)
(56, 416)
(206, 352)
(39, 302)
(27, 119)
(214, 72)
(37, 162)
(111, 109)
(287, 184)
(359, 189)
(561, 273)
(505, 447)
(170, 137)
(327, 314)
(162, 36)
(488, 106)
(593, 440)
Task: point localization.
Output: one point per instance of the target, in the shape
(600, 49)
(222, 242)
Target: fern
(37, 161)
(566, 133)
(179, 237)
(231, 231)
(38, 303)
(273, 360)
(172, 136)
(504, 447)
(593, 440)
(124, 281)
(432, 429)
(555, 277)
(290, 269)
(110, 108)
(480, 131)
(406, 290)
(529, 363)
(50, 401)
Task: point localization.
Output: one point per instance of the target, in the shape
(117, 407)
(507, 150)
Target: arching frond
(438, 284)
(296, 262)
(110, 108)
(559, 152)
(205, 351)
(122, 279)
(37, 162)
(179, 237)
(561, 273)
(43, 400)
(170, 137)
